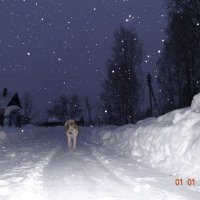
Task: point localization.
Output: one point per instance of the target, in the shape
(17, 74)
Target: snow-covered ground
(138, 162)
(170, 142)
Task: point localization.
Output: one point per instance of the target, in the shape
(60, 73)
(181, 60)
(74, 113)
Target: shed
(11, 113)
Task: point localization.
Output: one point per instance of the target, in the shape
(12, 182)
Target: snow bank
(12, 135)
(170, 142)
(2, 136)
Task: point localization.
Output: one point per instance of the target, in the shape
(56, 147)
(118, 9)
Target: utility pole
(149, 84)
(152, 96)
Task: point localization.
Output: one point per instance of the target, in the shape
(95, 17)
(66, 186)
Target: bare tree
(89, 108)
(75, 106)
(30, 110)
(60, 109)
(121, 88)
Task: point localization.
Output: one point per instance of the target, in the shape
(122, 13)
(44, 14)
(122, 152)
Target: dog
(71, 133)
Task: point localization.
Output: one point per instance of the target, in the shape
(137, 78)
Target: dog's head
(70, 124)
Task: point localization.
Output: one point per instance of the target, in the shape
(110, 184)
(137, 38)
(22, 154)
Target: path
(44, 169)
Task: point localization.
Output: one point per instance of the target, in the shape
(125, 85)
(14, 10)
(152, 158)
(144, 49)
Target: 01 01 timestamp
(181, 181)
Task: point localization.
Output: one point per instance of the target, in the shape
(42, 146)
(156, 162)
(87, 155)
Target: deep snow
(139, 161)
(36, 164)
(170, 142)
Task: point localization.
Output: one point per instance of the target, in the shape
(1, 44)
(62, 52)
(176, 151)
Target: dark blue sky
(51, 47)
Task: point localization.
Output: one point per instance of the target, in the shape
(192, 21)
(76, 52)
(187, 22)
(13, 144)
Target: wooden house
(11, 113)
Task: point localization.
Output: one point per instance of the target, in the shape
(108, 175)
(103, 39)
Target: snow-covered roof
(10, 109)
(5, 100)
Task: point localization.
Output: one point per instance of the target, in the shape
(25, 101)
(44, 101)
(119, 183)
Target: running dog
(71, 133)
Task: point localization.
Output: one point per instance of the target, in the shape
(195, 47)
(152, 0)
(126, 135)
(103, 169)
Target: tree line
(121, 90)
(71, 107)
(123, 87)
(179, 64)
(178, 67)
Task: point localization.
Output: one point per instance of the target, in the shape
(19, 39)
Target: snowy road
(43, 168)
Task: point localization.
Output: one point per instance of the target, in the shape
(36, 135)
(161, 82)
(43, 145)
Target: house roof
(10, 99)
(15, 101)
(5, 100)
(12, 108)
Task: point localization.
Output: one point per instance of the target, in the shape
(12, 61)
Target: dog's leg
(74, 142)
(69, 141)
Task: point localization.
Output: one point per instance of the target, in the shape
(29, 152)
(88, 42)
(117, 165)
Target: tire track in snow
(144, 188)
(79, 175)
(25, 187)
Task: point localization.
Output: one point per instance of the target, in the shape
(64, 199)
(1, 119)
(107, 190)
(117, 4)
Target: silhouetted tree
(30, 110)
(179, 69)
(75, 106)
(89, 108)
(60, 109)
(121, 88)
(82, 121)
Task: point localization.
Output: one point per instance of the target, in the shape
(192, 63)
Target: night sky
(54, 47)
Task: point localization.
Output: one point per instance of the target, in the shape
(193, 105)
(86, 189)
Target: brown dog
(71, 132)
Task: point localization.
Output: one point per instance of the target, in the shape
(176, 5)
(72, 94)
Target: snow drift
(170, 142)
(13, 135)
(2, 136)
